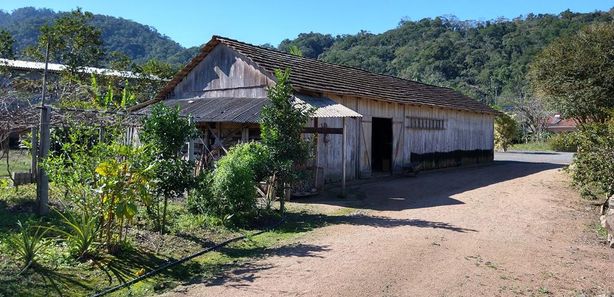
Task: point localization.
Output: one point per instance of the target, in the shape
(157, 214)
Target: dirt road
(508, 229)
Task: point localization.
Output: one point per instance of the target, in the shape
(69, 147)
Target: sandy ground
(513, 228)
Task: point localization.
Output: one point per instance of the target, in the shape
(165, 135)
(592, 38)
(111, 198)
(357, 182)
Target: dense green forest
(487, 60)
(139, 42)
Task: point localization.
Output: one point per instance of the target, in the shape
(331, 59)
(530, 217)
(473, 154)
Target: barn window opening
(381, 144)
(426, 123)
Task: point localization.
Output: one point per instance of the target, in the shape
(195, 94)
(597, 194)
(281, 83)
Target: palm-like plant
(28, 243)
(81, 234)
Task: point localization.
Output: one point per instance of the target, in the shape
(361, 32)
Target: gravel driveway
(511, 228)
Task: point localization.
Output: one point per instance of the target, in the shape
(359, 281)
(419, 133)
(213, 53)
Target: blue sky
(192, 22)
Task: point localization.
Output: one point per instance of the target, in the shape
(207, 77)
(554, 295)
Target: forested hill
(486, 60)
(139, 42)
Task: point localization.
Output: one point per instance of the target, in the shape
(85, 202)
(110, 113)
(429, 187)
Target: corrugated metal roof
(237, 110)
(54, 67)
(326, 107)
(247, 110)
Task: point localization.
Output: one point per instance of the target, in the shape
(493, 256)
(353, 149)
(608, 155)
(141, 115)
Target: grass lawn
(59, 274)
(531, 146)
(20, 161)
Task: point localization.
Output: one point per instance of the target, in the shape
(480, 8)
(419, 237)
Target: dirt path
(512, 228)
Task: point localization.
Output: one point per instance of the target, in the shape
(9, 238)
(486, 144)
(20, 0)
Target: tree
(73, 41)
(6, 45)
(282, 123)
(295, 51)
(312, 45)
(576, 74)
(158, 68)
(165, 132)
(530, 112)
(505, 131)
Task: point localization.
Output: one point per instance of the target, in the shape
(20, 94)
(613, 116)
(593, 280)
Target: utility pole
(42, 185)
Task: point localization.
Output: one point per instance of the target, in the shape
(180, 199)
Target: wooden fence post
(34, 154)
(43, 179)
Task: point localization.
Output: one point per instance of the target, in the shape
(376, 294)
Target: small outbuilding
(379, 124)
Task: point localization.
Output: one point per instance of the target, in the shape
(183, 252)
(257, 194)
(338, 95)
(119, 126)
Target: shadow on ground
(429, 189)
(246, 273)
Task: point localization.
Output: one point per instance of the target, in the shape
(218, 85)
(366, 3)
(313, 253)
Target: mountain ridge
(487, 60)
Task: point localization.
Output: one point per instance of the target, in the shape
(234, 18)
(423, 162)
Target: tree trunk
(163, 225)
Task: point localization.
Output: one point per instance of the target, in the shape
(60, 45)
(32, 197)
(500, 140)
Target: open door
(381, 145)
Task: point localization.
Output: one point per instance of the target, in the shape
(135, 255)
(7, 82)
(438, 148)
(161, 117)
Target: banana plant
(122, 185)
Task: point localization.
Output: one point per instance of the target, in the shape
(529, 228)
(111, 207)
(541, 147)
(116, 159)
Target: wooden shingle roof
(310, 75)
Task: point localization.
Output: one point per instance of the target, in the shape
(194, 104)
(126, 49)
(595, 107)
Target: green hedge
(564, 142)
(593, 168)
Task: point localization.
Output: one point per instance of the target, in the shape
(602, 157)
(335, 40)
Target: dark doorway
(381, 145)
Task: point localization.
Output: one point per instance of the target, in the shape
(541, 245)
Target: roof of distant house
(559, 123)
(54, 67)
(310, 75)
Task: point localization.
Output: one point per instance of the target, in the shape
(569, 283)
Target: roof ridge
(222, 38)
(343, 79)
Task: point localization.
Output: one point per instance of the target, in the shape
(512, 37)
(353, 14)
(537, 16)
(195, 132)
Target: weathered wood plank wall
(463, 131)
(223, 73)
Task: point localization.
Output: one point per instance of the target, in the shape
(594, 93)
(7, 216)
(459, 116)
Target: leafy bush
(165, 132)
(593, 167)
(72, 163)
(103, 181)
(230, 192)
(505, 131)
(28, 243)
(201, 196)
(564, 142)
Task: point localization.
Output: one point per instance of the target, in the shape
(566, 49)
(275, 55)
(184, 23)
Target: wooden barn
(390, 123)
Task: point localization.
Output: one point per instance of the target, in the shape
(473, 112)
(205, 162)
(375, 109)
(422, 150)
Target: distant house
(11, 70)
(390, 122)
(557, 124)
(39, 67)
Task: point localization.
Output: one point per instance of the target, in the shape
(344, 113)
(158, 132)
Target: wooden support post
(34, 154)
(101, 135)
(191, 143)
(317, 163)
(343, 157)
(244, 134)
(43, 179)
(206, 138)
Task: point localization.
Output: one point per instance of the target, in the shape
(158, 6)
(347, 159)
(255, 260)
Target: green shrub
(201, 196)
(229, 193)
(505, 131)
(28, 243)
(564, 142)
(593, 168)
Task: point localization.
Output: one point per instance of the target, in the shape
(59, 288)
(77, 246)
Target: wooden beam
(191, 142)
(323, 130)
(343, 157)
(317, 155)
(244, 134)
